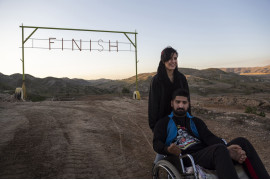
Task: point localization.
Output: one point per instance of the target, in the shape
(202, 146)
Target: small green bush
(262, 114)
(35, 97)
(253, 110)
(125, 90)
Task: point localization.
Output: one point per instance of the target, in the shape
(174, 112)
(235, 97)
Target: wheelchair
(163, 169)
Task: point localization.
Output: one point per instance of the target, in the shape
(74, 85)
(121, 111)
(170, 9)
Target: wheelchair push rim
(164, 166)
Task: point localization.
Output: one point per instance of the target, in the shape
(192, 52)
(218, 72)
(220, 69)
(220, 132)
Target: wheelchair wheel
(163, 169)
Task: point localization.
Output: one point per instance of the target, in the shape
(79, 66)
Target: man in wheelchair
(181, 133)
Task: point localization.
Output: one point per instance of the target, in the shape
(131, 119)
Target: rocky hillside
(203, 82)
(49, 86)
(210, 81)
(249, 70)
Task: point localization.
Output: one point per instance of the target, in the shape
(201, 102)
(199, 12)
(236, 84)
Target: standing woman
(163, 84)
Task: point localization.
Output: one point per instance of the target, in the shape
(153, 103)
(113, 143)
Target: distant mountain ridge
(204, 82)
(248, 70)
(49, 86)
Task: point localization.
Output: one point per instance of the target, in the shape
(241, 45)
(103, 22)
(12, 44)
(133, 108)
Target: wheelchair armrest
(181, 157)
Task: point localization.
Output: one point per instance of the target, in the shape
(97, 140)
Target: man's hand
(237, 153)
(174, 149)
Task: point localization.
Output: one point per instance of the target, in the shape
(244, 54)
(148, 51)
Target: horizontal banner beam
(78, 29)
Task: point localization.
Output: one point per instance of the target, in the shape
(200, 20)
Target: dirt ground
(101, 136)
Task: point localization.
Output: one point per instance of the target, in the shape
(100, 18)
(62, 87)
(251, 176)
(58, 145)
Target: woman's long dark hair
(166, 55)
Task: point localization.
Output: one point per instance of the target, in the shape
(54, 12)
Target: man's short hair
(180, 92)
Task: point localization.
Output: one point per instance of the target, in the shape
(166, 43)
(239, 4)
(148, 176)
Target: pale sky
(206, 33)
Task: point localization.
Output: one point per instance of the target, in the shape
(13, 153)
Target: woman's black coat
(161, 89)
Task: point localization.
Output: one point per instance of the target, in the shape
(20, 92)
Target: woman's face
(172, 63)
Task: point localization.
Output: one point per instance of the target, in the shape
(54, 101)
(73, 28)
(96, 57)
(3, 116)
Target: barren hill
(248, 70)
(203, 82)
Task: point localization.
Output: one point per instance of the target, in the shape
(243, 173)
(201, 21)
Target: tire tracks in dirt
(28, 150)
(134, 150)
(120, 134)
(76, 140)
(142, 131)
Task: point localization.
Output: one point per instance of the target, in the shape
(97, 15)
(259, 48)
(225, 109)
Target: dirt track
(75, 139)
(98, 137)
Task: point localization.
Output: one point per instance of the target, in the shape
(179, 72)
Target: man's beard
(179, 111)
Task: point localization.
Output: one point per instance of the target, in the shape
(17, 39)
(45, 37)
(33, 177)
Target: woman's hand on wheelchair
(174, 149)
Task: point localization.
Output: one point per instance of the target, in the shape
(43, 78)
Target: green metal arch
(71, 29)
